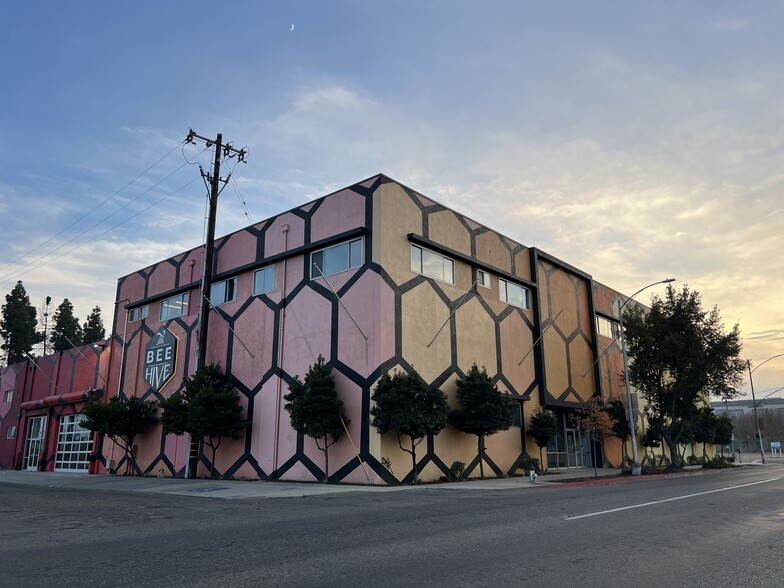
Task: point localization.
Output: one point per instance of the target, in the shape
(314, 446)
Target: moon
(292, 28)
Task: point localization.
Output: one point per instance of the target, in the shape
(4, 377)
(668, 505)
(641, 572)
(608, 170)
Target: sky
(635, 140)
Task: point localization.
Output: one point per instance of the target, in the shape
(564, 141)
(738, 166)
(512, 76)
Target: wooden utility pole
(214, 181)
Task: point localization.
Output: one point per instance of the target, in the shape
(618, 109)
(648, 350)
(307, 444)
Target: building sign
(160, 356)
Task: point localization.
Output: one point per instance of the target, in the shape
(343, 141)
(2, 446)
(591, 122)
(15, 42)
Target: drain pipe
(282, 329)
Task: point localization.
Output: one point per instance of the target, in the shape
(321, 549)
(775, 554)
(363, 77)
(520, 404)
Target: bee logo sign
(160, 356)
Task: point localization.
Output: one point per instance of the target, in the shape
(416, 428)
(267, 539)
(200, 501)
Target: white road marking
(593, 514)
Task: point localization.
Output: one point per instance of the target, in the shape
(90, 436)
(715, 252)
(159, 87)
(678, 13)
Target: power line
(107, 230)
(74, 238)
(89, 212)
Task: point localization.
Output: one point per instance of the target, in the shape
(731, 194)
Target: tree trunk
(413, 460)
(674, 455)
(481, 443)
(541, 460)
(326, 461)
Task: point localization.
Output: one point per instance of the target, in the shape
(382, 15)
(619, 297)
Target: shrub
(718, 463)
(658, 464)
(530, 463)
(456, 470)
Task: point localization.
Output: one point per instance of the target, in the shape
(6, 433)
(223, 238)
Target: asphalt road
(719, 529)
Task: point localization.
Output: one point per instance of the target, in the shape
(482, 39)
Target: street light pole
(636, 469)
(754, 401)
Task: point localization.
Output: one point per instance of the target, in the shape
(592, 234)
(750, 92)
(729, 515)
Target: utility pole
(214, 182)
(46, 321)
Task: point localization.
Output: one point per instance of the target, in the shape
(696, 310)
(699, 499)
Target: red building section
(41, 401)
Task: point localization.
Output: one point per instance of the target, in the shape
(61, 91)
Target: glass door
(574, 453)
(35, 439)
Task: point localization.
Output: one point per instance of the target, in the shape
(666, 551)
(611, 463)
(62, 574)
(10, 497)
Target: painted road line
(603, 512)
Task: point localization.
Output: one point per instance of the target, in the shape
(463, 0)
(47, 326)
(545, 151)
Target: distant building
(741, 412)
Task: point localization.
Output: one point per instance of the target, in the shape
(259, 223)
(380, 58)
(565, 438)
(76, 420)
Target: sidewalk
(259, 489)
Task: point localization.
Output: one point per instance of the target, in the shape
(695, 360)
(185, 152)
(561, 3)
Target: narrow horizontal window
(514, 294)
(336, 259)
(264, 280)
(483, 278)
(9, 395)
(174, 306)
(11, 433)
(223, 291)
(432, 265)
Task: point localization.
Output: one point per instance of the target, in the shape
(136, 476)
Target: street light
(636, 470)
(754, 400)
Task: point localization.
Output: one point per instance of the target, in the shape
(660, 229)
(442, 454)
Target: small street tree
(483, 410)
(121, 419)
(66, 330)
(17, 325)
(543, 429)
(208, 408)
(93, 327)
(597, 423)
(724, 427)
(705, 428)
(680, 353)
(620, 420)
(407, 405)
(315, 409)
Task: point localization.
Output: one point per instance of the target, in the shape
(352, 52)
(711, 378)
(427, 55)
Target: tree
(93, 327)
(543, 429)
(705, 428)
(483, 409)
(620, 419)
(724, 428)
(121, 419)
(681, 353)
(596, 422)
(17, 325)
(407, 405)
(66, 331)
(315, 409)
(208, 408)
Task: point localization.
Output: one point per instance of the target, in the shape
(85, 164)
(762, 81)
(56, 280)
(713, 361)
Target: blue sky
(634, 140)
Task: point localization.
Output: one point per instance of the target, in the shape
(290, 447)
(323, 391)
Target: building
(375, 277)
(41, 401)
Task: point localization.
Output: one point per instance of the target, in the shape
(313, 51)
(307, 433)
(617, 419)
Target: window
(11, 433)
(608, 328)
(264, 280)
(8, 396)
(139, 313)
(336, 259)
(224, 291)
(483, 278)
(513, 294)
(432, 265)
(174, 306)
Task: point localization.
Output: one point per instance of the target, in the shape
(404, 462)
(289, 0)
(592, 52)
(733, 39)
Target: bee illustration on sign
(160, 357)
